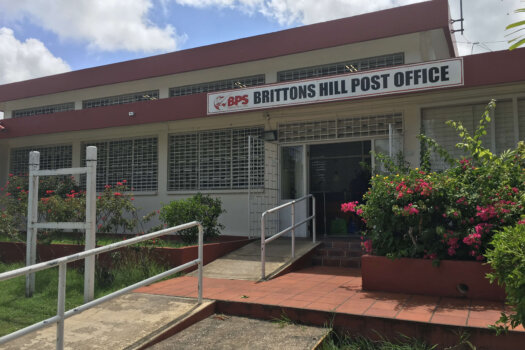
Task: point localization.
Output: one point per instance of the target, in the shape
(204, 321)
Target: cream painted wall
(417, 47)
(236, 203)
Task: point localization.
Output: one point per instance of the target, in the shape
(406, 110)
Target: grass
(346, 342)
(17, 311)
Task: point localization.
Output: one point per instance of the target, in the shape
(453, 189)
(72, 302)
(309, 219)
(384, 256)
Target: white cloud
(485, 22)
(106, 25)
(305, 11)
(26, 60)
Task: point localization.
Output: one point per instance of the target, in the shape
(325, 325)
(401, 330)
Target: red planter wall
(11, 252)
(419, 276)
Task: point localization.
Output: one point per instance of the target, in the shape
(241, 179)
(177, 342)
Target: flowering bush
(448, 215)
(62, 200)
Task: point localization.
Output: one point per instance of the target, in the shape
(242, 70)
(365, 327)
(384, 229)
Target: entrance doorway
(338, 173)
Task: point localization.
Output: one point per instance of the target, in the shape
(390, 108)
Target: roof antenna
(458, 20)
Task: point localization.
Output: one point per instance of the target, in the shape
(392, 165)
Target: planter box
(418, 276)
(11, 252)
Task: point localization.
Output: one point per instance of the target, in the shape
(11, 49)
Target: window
(121, 99)
(216, 159)
(433, 125)
(342, 67)
(366, 126)
(44, 110)
(133, 160)
(51, 157)
(228, 84)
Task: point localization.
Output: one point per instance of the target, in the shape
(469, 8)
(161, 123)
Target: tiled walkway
(337, 290)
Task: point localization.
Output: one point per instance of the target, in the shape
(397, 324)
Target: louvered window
(44, 110)
(228, 84)
(51, 157)
(350, 66)
(216, 159)
(433, 125)
(121, 99)
(366, 126)
(133, 160)
(521, 118)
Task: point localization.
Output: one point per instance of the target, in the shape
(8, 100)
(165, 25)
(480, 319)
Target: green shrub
(507, 259)
(202, 208)
(448, 215)
(62, 200)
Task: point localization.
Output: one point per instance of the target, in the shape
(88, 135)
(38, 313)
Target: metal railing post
(314, 222)
(61, 304)
(263, 248)
(249, 187)
(32, 218)
(91, 218)
(293, 229)
(201, 262)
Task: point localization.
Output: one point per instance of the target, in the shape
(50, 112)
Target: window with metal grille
(362, 64)
(62, 107)
(51, 157)
(215, 159)
(502, 127)
(121, 99)
(229, 84)
(365, 126)
(133, 160)
(521, 119)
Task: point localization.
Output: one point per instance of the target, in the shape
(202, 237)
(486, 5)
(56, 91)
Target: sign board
(392, 80)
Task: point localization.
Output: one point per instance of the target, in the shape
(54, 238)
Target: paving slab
(120, 323)
(221, 332)
(245, 263)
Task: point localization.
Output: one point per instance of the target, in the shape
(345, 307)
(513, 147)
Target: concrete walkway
(222, 332)
(125, 322)
(245, 263)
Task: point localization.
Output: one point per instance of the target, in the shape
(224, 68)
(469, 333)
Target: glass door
(293, 186)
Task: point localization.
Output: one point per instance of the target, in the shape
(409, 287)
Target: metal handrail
(62, 268)
(265, 240)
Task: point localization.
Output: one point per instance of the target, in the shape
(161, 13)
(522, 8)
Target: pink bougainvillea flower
(349, 207)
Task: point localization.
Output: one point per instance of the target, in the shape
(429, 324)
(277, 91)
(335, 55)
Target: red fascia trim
(408, 19)
(479, 70)
(177, 108)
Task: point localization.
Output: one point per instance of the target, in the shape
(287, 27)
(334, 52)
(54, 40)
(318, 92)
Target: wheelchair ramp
(126, 322)
(245, 263)
(222, 332)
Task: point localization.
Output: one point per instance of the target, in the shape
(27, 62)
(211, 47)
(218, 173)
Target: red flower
(349, 207)
(117, 194)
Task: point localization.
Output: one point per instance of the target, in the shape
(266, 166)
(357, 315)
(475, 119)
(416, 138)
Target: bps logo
(222, 102)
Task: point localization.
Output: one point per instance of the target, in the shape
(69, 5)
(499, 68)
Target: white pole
(32, 217)
(61, 304)
(263, 248)
(249, 187)
(201, 260)
(293, 229)
(91, 217)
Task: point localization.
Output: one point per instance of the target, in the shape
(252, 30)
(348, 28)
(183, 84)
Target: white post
(293, 229)
(61, 304)
(263, 248)
(32, 217)
(201, 260)
(249, 187)
(314, 223)
(91, 217)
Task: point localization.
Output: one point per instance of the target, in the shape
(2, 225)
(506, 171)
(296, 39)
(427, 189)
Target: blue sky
(43, 37)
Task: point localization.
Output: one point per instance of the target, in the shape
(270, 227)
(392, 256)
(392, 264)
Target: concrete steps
(338, 252)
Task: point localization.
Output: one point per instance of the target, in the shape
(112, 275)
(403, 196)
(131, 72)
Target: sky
(44, 37)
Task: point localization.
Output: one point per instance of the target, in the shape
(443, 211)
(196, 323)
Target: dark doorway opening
(337, 176)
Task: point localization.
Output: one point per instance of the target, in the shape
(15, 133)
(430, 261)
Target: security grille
(44, 110)
(366, 126)
(220, 85)
(51, 157)
(121, 99)
(216, 159)
(133, 160)
(433, 125)
(362, 64)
